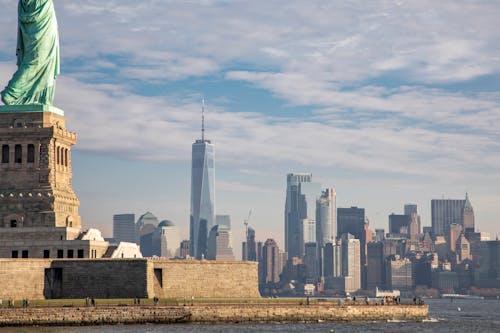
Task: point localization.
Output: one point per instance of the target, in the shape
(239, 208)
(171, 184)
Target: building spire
(203, 120)
(467, 203)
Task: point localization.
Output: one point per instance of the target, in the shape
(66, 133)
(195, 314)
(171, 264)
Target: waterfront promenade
(75, 312)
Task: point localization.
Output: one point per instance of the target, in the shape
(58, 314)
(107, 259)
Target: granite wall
(126, 278)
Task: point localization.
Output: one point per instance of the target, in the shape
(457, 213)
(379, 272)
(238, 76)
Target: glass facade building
(301, 195)
(202, 218)
(124, 228)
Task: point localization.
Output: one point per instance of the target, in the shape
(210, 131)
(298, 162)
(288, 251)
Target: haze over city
(388, 102)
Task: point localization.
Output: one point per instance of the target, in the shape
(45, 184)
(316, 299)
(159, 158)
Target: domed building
(166, 241)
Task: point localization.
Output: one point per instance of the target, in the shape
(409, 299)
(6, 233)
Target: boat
(386, 293)
(461, 296)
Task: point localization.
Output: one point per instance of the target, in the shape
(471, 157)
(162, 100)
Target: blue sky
(390, 102)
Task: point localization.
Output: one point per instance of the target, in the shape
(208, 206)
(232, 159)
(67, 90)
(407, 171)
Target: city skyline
(387, 103)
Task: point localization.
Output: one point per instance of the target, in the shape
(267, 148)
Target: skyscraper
(468, 216)
(326, 224)
(326, 217)
(411, 209)
(166, 241)
(146, 226)
(398, 224)
(124, 228)
(219, 243)
(445, 212)
(202, 218)
(352, 221)
(301, 194)
(351, 270)
(249, 247)
(270, 264)
(375, 276)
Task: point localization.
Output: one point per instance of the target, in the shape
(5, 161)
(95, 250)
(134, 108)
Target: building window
(60, 253)
(25, 254)
(70, 253)
(58, 155)
(80, 253)
(5, 153)
(13, 223)
(65, 157)
(15, 254)
(18, 154)
(31, 153)
(46, 253)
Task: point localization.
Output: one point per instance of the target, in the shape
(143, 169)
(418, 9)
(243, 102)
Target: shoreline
(208, 314)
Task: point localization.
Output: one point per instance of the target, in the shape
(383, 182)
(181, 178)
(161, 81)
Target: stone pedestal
(35, 174)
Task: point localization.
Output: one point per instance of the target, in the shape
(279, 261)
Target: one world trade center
(202, 217)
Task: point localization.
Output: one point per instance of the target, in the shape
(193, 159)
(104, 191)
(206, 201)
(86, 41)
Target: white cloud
(374, 76)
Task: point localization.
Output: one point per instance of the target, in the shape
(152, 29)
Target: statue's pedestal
(36, 194)
(35, 115)
(31, 108)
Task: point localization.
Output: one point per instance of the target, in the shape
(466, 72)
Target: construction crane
(245, 222)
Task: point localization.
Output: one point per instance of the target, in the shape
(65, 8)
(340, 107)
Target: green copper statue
(37, 55)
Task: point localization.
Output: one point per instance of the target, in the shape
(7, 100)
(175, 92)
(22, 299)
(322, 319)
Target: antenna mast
(203, 120)
(245, 222)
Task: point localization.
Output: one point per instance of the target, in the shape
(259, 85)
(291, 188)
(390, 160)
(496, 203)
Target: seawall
(207, 313)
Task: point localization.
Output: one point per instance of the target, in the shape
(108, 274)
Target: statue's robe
(37, 55)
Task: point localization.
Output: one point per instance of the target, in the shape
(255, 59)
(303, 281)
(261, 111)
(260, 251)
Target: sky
(390, 102)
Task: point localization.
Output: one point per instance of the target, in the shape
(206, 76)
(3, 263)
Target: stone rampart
(126, 278)
(86, 316)
(202, 279)
(220, 313)
(308, 313)
(20, 278)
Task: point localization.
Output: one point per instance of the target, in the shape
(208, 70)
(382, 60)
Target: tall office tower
(398, 225)
(445, 212)
(352, 220)
(219, 244)
(462, 249)
(311, 262)
(145, 219)
(399, 273)
(410, 209)
(270, 263)
(283, 258)
(468, 216)
(326, 217)
(300, 204)
(413, 228)
(488, 272)
(326, 223)
(423, 264)
(351, 269)
(308, 231)
(223, 220)
(124, 228)
(184, 249)
(166, 240)
(454, 231)
(379, 235)
(475, 239)
(249, 247)
(202, 218)
(146, 226)
(375, 276)
(332, 260)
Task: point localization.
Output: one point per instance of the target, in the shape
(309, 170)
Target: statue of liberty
(37, 55)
